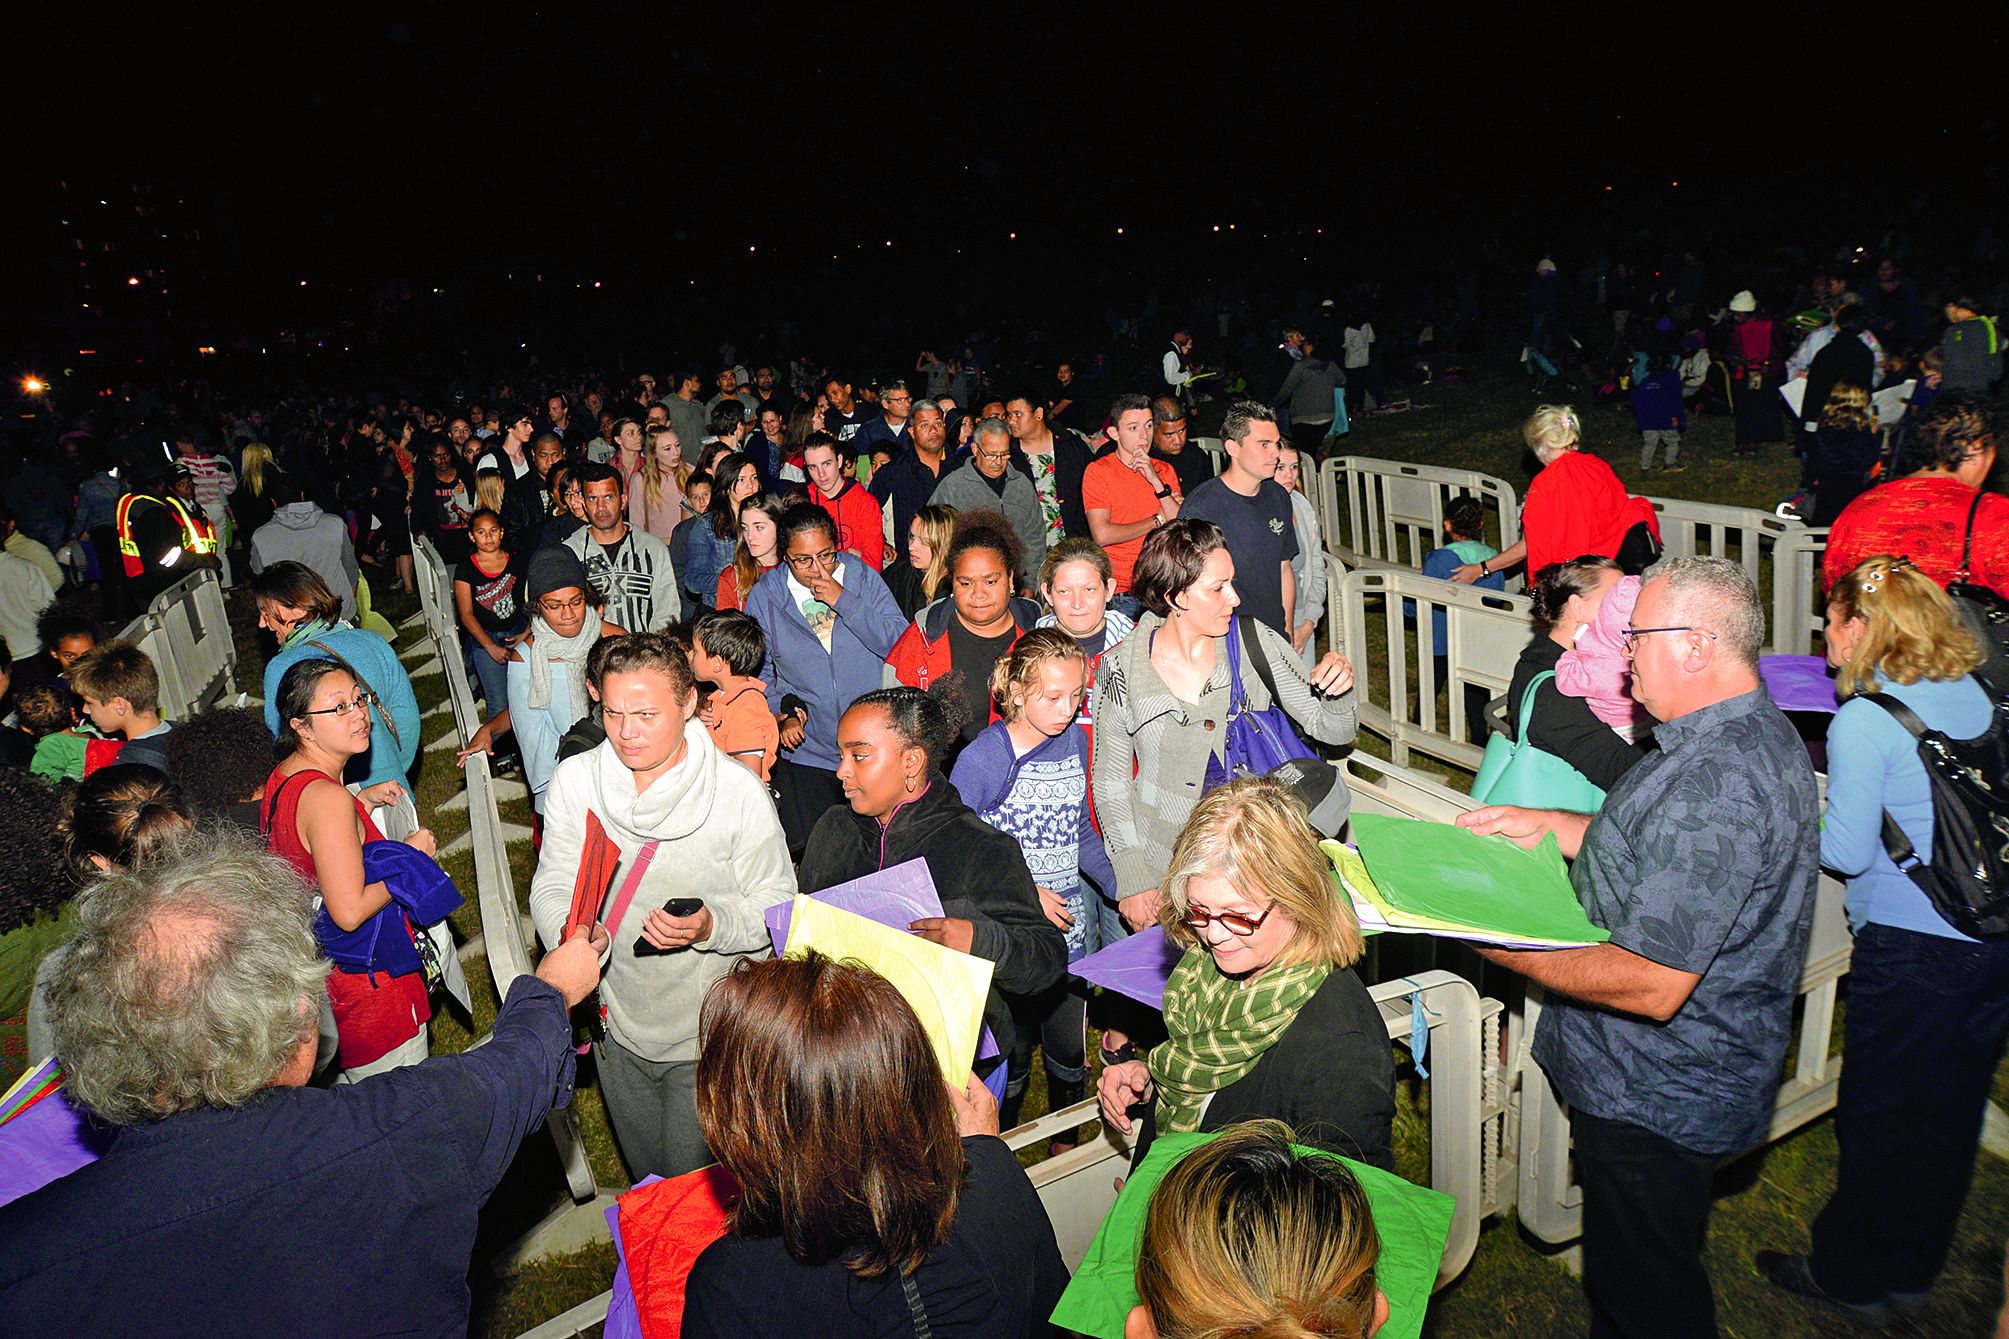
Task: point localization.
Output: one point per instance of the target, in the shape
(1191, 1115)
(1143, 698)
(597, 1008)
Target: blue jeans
(490, 679)
(1920, 1043)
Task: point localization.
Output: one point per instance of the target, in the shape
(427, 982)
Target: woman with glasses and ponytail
(1264, 1015)
(312, 821)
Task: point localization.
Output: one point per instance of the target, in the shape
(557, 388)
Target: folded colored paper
(1441, 879)
(663, 1227)
(1136, 968)
(895, 897)
(1798, 683)
(946, 989)
(1413, 1222)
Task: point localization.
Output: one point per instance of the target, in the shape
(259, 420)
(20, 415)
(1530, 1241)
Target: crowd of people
(782, 638)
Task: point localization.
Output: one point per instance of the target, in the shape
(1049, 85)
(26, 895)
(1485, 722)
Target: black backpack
(1984, 612)
(1968, 879)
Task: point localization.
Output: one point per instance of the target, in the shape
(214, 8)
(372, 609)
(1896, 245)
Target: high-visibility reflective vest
(197, 535)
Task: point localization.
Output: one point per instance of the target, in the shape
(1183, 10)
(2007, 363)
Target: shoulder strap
(628, 887)
(1252, 637)
(915, 1310)
(1528, 705)
(382, 711)
(1967, 540)
(1905, 715)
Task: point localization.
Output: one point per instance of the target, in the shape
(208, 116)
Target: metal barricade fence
(1484, 634)
(1390, 513)
(1799, 606)
(186, 633)
(1745, 535)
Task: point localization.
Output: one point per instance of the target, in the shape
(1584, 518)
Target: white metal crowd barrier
(1745, 535)
(186, 632)
(1485, 632)
(1390, 513)
(508, 951)
(1216, 449)
(1799, 605)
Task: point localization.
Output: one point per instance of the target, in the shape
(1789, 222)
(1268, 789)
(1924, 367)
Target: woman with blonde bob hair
(1928, 1006)
(1264, 1015)
(873, 1197)
(1246, 1235)
(1576, 505)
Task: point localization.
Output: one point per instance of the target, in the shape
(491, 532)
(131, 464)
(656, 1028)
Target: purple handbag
(1257, 742)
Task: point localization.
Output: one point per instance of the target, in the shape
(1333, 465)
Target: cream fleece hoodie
(720, 841)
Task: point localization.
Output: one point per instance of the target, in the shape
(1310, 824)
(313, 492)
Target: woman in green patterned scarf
(1264, 1014)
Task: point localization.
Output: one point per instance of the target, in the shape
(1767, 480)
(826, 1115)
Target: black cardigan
(1330, 1077)
(1565, 725)
(979, 872)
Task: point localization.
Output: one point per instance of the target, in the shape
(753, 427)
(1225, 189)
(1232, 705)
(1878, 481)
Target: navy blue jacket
(307, 1211)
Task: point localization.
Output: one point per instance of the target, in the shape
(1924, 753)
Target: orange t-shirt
(1108, 484)
(744, 727)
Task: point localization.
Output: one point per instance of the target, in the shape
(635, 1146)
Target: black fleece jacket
(979, 872)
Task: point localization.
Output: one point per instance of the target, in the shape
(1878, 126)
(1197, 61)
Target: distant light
(596, 283)
(1859, 251)
(85, 353)
(435, 290)
(750, 250)
(206, 349)
(132, 281)
(1231, 227)
(1119, 232)
(1217, 227)
(34, 385)
(303, 283)
(1011, 237)
(1673, 183)
(889, 241)
(1607, 188)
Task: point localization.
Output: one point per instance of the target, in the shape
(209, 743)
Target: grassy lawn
(1514, 1286)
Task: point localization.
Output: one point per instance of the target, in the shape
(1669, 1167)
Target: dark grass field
(1514, 1286)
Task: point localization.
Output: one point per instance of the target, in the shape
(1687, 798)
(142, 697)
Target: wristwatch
(1162, 492)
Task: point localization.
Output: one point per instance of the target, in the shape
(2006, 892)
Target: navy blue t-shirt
(1261, 536)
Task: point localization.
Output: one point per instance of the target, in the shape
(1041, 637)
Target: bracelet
(1127, 1051)
(1483, 571)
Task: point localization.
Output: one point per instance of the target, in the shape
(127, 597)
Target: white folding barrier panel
(186, 633)
(502, 935)
(1799, 607)
(1216, 449)
(1745, 535)
(1484, 634)
(1390, 513)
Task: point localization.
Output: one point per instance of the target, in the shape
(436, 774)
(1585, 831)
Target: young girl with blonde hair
(1027, 776)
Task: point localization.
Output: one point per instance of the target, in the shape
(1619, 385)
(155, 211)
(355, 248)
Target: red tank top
(375, 1013)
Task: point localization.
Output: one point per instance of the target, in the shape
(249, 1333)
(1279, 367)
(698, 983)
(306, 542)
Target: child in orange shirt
(727, 648)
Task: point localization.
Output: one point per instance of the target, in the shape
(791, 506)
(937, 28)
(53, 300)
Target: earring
(910, 785)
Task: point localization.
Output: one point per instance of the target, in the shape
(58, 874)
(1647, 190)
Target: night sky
(648, 149)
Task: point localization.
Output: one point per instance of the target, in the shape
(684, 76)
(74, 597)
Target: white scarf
(548, 648)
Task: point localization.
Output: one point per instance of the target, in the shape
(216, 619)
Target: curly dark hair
(220, 756)
(928, 721)
(1941, 434)
(34, 876)
(983, 528)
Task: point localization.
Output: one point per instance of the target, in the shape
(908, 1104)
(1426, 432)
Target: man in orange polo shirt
(1128, 494)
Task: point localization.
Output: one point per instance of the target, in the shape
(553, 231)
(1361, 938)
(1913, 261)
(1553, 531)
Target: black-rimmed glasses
(340, 711)
(1235, 922)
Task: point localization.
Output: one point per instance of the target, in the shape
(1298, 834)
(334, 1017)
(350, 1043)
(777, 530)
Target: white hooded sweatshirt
(721, 841)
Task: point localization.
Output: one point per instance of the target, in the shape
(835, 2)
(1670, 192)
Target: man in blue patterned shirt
(1669, 1041)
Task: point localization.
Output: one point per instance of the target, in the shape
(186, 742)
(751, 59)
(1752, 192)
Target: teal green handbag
(1516, 772)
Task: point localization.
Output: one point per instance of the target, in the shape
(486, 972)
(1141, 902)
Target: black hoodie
(979, 872)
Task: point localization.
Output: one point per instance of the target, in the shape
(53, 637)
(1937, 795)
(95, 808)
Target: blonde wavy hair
(1911, 631)
(1847, 408)
(938, 527)
(1247, 1236)
(1255, 833)
(1551, 430)
(653, 474)
(1028, 658)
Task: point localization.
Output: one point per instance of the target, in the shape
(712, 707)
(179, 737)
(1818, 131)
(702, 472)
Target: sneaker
(1790, 1273)
(1675, 467)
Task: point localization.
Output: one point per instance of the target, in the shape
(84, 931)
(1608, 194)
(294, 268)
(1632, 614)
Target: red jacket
(921, 658)
(859, 525)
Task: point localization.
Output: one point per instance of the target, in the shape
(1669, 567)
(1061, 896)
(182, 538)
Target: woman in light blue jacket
(830, 623)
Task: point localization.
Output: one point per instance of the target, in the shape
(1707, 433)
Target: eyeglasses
(1235, 922)
(802, 562)
(340, 711)
(571, 606)
(1629, 638)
